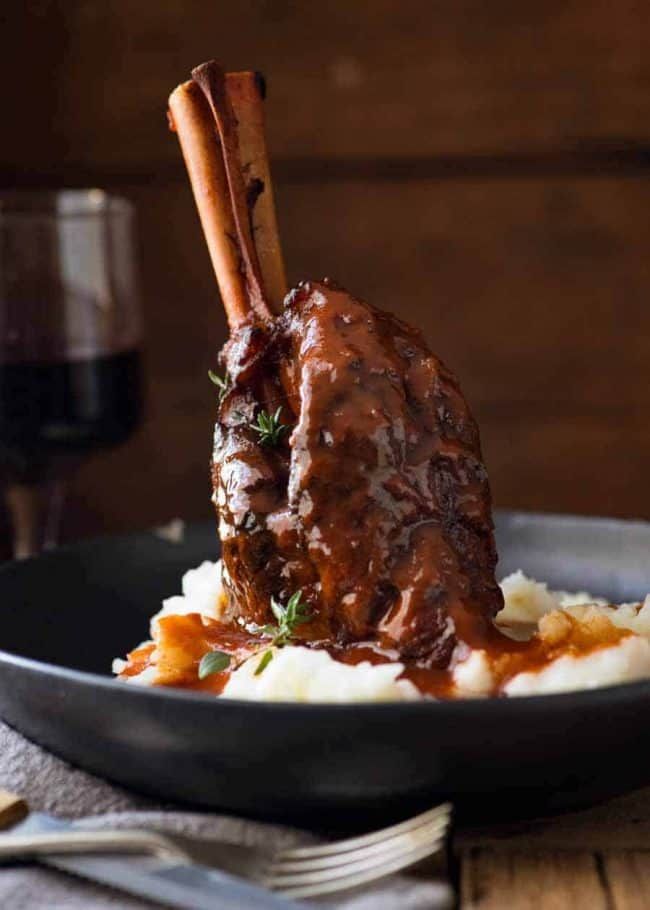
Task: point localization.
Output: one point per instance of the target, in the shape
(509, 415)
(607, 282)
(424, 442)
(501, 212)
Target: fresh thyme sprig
(221, 383)
(288, 619)
(213, 662)
(269, 428)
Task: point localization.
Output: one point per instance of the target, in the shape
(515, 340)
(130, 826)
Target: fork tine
(352, 843)
(402, 844)
(374, 873)
(435, 827)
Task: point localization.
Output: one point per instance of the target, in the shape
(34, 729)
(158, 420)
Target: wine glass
(70, 333)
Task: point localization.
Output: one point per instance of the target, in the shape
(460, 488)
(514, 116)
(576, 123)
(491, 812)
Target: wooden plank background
(479, 168)
(595, 858)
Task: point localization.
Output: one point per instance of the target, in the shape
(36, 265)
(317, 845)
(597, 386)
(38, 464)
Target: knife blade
(188, 886)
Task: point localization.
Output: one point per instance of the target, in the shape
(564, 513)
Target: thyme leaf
(213, 662)
(268, 427)
(221, 383)
(267, 657)
(288, 617)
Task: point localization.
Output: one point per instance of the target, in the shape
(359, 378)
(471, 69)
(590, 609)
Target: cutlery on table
(160, 865)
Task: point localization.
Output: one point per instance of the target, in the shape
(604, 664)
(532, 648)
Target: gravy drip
(183, 640)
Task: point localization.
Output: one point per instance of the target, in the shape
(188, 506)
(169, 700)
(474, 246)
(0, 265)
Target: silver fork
(298, 872)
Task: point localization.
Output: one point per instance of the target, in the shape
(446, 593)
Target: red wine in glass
(70, 373)
(51, 411)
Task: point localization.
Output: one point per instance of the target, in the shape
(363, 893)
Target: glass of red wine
(70, 332)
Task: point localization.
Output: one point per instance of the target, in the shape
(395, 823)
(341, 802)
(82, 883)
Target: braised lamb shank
(369, 495)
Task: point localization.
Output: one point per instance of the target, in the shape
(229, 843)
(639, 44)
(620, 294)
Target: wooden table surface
(597, 859)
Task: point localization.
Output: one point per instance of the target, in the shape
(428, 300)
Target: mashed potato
(300, 674)
(625, 662)
(202, 593)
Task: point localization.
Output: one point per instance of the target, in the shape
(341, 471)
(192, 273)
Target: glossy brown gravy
(138, 660)
(560, 635)
(183, 641)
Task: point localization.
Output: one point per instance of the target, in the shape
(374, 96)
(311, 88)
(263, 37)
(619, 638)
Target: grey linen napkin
(51, 785)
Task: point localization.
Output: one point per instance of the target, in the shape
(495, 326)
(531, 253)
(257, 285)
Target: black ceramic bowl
(65, 616)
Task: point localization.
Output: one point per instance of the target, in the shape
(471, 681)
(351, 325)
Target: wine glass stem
(24, 503)
(36, 511)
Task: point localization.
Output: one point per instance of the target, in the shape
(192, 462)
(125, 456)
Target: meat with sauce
(374, 501)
